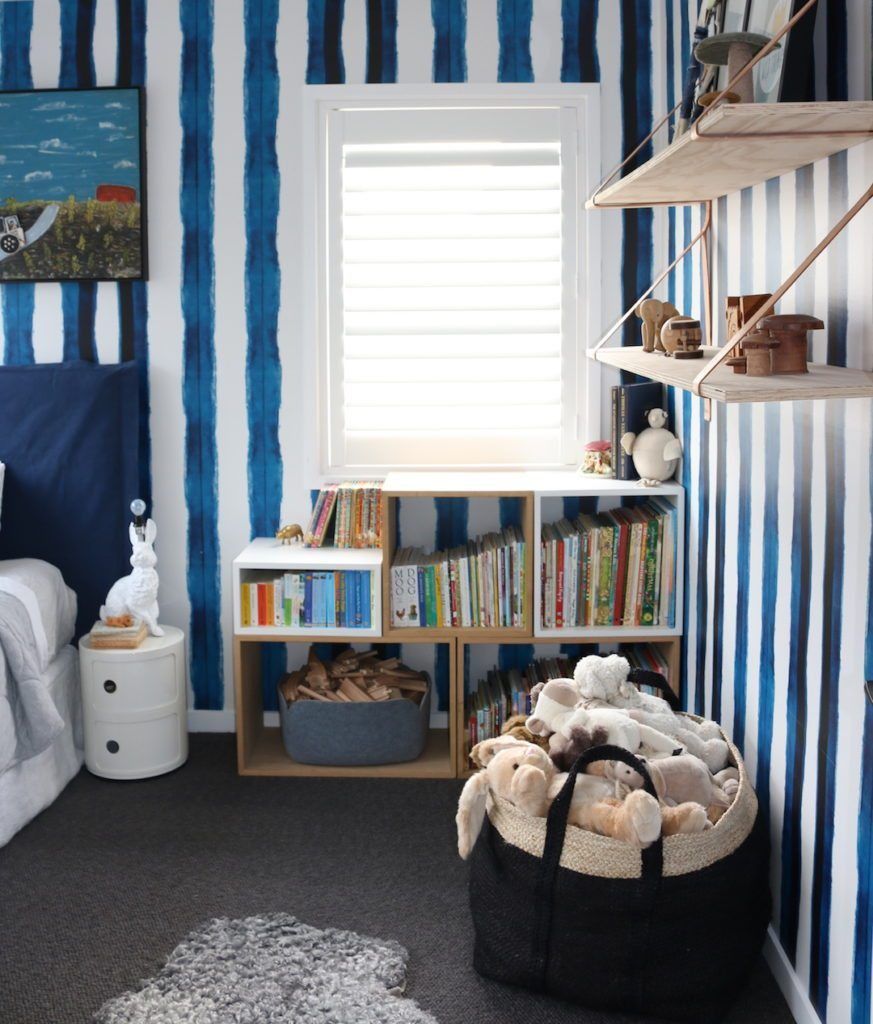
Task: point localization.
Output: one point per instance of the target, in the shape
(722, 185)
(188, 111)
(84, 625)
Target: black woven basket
(592, 920)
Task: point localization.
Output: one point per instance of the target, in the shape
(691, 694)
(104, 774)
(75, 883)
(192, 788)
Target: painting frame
(785, 75)
(134, 245)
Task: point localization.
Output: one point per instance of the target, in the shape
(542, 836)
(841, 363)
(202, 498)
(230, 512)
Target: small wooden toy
(739, 310)
(597, 459)
(756, 360)
(681, 337)
(790, 331)
(291, 534)
(653, 314)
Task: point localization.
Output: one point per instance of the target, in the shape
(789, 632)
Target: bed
(69, 439)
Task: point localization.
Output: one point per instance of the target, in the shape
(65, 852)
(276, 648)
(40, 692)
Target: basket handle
(646, 677)
(556, 830)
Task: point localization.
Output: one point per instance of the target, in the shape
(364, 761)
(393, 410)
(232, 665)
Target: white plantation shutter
(452, 277)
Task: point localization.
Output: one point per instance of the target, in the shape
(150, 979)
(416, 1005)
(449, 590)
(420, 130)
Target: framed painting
(72, 185)
(785, 74)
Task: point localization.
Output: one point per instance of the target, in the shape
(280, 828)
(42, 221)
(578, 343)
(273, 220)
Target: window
(450, 320)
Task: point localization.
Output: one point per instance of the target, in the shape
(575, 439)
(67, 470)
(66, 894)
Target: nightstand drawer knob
(112, 747)
(110, 686)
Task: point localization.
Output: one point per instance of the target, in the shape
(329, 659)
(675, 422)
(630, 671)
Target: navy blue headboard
(68, 436)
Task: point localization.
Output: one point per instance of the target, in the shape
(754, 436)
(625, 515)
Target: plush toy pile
(687, 760)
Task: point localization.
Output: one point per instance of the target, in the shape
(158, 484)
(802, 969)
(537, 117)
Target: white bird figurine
(655, 451)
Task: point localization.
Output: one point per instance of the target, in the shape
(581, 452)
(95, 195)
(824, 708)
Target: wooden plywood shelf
(723, 385)
(268, 757)
(735, 146)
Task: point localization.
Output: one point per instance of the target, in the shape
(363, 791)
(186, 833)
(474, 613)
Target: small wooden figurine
(654, 314)
(756, 360)
(291, 534)
(790, 330)
(739, 310)
(681, 337)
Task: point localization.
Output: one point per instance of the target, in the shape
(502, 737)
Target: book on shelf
(477, 584)
(309, 599)
(615, 568)
(504, 693)
(630, 405)
(346, 515)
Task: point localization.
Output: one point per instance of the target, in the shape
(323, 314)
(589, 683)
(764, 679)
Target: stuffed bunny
(682, 779)
(137, 593)
(557, 711)
(606, 679)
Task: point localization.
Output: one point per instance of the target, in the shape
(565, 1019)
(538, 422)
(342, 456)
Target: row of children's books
(477, 584)
(502, 694)
(339, 599)
(615, 568)
(346, 515)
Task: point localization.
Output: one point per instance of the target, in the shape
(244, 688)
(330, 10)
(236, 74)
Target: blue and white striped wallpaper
(780, 568)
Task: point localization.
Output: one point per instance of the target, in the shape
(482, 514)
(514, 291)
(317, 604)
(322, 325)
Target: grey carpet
(273, 969)
(99, 889)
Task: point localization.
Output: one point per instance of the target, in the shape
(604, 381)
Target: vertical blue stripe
(685, 648)
(720, 414)
(513, 31)
(324, 62)
(133, 309)
(801, 578)
(671, 211)
(832, 603)
(16, 25)
(579, 61)
(837, 50)
(636, 123)
(450, 40)
(702, 590)
(862, 966)
(862, 997)
(770, 540)
(381, 40)
(79, 299)
(262, 279)
(198, 386)
(744, 499)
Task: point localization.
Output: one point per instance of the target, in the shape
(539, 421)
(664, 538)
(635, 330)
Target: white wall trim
(792, 988)
(223, 721)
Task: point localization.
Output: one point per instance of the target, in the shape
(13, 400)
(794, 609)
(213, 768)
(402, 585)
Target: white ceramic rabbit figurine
(137, 593)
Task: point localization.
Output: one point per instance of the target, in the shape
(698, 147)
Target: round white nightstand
(135, 707)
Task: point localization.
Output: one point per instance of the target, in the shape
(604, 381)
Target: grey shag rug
(272, 969)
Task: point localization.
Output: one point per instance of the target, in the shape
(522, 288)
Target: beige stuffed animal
(523, 774)
(606, 679)
(680, 780)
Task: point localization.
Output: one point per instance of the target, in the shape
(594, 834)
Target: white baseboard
(223, 721)
(211, 721)
(786, 978)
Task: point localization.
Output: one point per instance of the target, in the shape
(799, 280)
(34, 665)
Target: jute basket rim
(602, 857)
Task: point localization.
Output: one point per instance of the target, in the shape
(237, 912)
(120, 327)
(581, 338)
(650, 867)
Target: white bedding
(28, 787)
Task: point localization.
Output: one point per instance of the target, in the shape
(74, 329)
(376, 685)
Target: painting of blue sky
(57, 144)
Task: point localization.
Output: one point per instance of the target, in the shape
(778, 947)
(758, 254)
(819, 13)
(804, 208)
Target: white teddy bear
(557, 712)
(606, 679)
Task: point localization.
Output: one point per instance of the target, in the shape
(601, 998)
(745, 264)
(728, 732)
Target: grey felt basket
(378, 732)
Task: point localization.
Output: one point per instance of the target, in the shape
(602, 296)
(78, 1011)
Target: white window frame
(581, 318)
